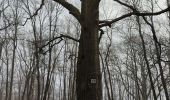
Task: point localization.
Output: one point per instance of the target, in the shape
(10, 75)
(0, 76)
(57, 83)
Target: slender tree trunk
(143, 84)
(88, 66)
(168, 52)
(146, 60)
(105, 78)
(7, 73)
(14, 53)
(168, 4)
(107, 68)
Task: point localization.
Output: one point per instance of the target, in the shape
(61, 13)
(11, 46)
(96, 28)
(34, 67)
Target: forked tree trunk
(88, 67)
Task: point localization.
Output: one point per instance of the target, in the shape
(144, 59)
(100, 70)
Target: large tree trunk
(88, 66)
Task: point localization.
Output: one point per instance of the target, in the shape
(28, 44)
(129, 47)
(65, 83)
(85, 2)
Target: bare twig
(126, 5)
(36, 12)
(3, 28)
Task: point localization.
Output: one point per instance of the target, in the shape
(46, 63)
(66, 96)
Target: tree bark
(88, 67)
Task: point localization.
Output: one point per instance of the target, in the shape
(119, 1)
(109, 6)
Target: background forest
(39, 50)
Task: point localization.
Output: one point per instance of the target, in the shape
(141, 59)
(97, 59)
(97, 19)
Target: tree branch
(109, 23)
(101, 34)
(69, 37)
(59, 37)
(36, 12)
(72, 9)
(135, 12)
(1, 11)
(126, 5)
(3, 28)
